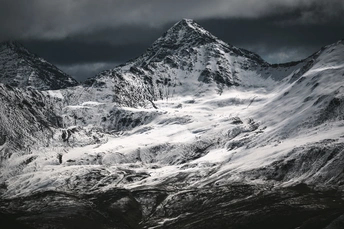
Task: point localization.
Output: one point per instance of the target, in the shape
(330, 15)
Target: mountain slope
(20, 68)
(27, 118)
(259, 148)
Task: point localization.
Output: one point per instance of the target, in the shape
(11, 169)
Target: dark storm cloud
(276, 43)
(56, 19)
(74, 52)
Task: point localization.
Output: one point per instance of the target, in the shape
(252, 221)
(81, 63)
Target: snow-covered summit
(186, 60)
(185, 31)
(20, 68)
(14, 46)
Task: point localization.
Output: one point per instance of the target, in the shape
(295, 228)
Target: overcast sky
(83, 37)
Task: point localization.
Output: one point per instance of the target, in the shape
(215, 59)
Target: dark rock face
(232, 206)
(116, 209)
(242, 206)
(20, 68)
(333, 111)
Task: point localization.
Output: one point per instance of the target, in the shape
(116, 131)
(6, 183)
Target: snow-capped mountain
(20, 68)
(194, 133)
(186, 60)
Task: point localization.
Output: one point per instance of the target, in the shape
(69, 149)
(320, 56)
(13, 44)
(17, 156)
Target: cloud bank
(58, 19)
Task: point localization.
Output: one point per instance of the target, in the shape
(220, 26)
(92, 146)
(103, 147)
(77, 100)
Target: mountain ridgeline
(20, 68)
(193, 133)
(187, 59)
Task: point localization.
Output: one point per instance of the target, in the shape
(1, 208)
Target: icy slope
(188, 160)
(313, 99)
(310, 111)
(20, 68)
(212, 138)
(187, 143)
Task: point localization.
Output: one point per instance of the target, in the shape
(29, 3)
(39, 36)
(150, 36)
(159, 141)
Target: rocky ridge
(20, 68)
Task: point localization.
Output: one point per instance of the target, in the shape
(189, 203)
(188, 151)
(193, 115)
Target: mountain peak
(187, 20)
(190, 23)
(20, 68)
(186, 31)
(13, 46)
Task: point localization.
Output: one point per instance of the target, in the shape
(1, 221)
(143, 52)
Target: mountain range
(194, 133)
